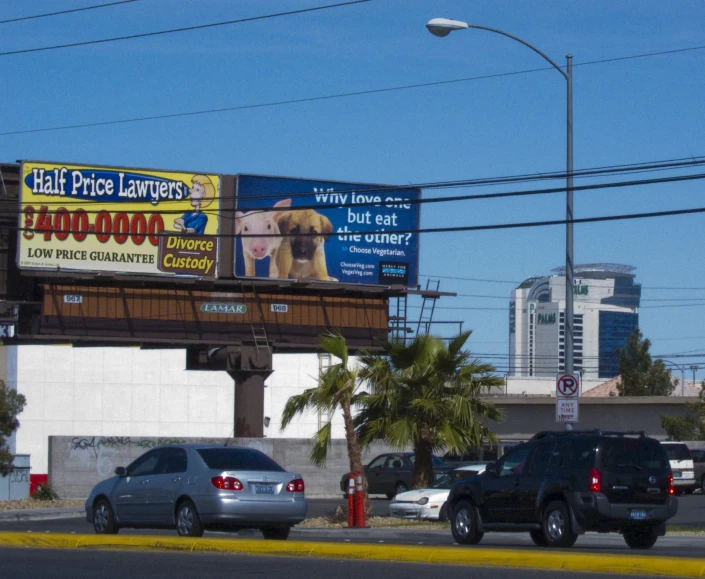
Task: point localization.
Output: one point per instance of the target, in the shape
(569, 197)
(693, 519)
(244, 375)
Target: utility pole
(694, 368)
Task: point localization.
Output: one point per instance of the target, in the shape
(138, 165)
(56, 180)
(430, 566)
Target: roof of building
(609, 388)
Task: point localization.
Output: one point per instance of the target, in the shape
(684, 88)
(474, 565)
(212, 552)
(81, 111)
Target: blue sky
(626, 111)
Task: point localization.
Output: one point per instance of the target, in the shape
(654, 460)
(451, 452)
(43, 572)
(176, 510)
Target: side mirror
(120, 471)
(491, 468)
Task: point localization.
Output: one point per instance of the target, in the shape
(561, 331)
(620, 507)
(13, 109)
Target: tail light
(226, 483)
(296, 486)
(671, 488)
(595, 481)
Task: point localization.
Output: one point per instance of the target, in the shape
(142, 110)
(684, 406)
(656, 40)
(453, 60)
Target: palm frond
(322, 438)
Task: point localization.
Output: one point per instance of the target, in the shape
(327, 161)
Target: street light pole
(443, 27)
(682, 369)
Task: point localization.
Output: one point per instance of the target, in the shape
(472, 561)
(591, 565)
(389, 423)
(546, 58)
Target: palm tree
(426, 394)
(337, 389)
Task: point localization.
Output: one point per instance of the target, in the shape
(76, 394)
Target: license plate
(637, 514)
(264, 490)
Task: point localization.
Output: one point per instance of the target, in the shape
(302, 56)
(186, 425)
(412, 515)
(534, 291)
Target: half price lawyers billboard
(330, 231)
(86, 218)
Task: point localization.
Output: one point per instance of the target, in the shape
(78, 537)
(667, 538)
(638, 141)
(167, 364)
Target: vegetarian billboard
(326, 231)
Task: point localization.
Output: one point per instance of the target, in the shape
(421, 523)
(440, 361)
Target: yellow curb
(471, 556)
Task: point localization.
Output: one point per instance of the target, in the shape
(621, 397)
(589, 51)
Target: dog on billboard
(260, 223)
(302, 252)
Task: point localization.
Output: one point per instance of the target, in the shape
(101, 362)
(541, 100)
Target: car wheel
(556, 526)
(188, 523)
(400, 488)
(443, 513)
(464, 524)
(640, 537)
(103, 519)
(702, 484)
(538, 537)
(276, 533)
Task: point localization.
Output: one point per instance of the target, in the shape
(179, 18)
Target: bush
(45, 492)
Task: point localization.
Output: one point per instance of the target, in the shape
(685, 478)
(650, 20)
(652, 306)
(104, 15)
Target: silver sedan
(193, 487)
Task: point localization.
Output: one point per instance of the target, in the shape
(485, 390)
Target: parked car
(562, 484)
(682, 466)
(391, 473)
(699, 467)
(193, 487)
(431, 503)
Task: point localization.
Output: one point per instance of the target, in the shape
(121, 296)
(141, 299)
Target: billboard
(330, 231)
(95, 219)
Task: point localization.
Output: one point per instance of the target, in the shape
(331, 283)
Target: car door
(500, 487)
(132, 490)
(376, 475)
(393, 471)
(165, 483)
(529, 483)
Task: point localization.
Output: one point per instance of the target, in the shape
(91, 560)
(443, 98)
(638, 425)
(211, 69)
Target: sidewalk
(39, 514)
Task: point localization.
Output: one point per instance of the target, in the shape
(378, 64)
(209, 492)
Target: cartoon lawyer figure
(202, 194)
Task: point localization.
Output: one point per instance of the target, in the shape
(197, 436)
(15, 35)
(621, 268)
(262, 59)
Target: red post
(351, 501)
(360, 510)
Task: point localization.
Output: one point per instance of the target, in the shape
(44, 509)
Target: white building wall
(115, 392)
(133, 392)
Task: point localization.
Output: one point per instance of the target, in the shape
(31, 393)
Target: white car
(430, 503)
(682, 466)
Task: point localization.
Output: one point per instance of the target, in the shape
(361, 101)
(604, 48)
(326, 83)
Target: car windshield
(633, 454)
(677, 452)
(447, 480)
(237, 459)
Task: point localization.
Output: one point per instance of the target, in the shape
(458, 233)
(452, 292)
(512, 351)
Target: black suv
(561, 484)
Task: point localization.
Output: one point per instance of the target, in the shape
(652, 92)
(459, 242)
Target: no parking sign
(567, 386)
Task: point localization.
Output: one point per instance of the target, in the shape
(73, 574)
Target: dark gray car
(193, 487)
(392, 473)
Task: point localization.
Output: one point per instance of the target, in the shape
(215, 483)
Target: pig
(255, 223)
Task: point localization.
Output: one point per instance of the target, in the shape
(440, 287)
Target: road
(691, 508)
(67, 564)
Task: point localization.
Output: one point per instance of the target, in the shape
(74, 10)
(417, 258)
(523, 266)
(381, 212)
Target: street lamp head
(443, 26)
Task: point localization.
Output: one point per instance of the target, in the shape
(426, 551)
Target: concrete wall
(77, 463)
(541, 386)
(525, 416)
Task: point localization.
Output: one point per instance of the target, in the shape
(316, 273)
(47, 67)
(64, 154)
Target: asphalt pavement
(70, 564)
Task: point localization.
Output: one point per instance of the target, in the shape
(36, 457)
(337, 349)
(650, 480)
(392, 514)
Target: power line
(670, 288)
(497, 226)
(66, 11)
(301, 100)
(184, 29)
(439, 185)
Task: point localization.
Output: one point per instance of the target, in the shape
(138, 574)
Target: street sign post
(567, 396)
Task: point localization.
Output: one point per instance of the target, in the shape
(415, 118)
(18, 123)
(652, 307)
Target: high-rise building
(605, 313)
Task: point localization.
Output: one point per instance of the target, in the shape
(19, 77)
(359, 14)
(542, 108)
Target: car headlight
(422, 501)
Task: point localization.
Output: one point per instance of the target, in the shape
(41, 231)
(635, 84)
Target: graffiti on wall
(96, 443)
(100, 451)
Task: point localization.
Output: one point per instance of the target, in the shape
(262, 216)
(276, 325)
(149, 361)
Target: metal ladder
(397, 317)
(428, 306)
(259, 331)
